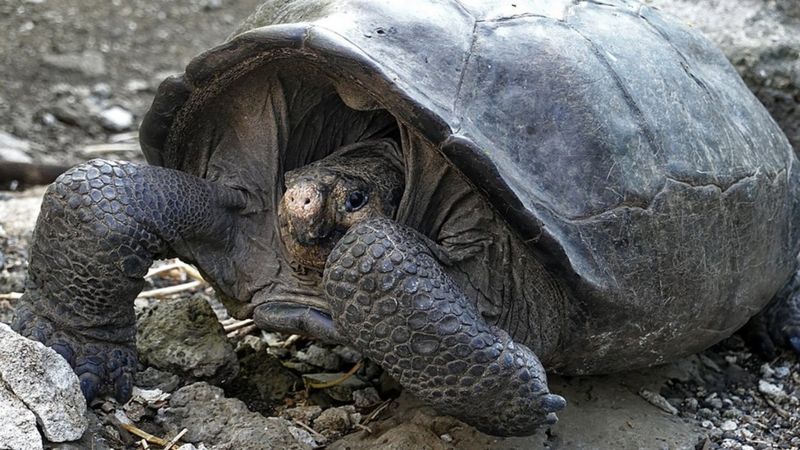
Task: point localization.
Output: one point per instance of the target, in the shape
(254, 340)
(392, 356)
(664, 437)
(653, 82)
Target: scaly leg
(392, 300)
(101, 226)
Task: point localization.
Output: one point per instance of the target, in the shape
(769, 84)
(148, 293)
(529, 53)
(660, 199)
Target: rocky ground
(77, 77)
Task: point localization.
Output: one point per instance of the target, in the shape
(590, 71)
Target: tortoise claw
(552, 403)
(90, 385)
(101, 367)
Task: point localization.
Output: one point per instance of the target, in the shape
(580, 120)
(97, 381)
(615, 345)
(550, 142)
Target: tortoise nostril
(307, 201)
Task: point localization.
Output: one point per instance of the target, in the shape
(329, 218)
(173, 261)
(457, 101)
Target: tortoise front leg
(778, 325)
(101, 226)
(393, 301)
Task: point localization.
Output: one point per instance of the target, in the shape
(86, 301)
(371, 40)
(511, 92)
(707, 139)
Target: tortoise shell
(619, 144)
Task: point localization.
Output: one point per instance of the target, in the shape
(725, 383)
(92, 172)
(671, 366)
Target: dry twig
(364, 427)
(190, 271)
(320, 437)
(170, 290)
(138, 432)
(290, 340)
(174, 440)
(374, 414)
(782, 412)
(242, 331)
(236, 324)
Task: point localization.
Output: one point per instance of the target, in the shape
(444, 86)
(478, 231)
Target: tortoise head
(325, 198)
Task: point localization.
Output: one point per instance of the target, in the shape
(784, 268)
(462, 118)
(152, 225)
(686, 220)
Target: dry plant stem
(377, 412)
(243, 331)
(320, 437)
(782, 412)
(237, 325)
(339, 380)
(364, 427)
(165, 268)
(189, 270)
(290, 340)
(175, 439)
(134, 430)
(169, 290)
(11, 296)
(132, 136)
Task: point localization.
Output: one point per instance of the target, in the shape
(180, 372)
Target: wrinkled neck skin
(325, 198)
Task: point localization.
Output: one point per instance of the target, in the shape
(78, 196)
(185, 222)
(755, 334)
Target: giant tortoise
(470, 192)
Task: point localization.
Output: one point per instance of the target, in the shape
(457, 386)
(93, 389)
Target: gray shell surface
(620, 144)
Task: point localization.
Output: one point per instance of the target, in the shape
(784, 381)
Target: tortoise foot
(393, 301)
(778, 325)
(102, 367)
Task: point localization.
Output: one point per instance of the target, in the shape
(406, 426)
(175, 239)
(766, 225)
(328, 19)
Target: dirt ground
(76, 79)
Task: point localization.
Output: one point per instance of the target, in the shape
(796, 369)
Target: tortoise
(469, 192)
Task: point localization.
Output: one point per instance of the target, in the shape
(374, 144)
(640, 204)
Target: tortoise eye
(355, 201)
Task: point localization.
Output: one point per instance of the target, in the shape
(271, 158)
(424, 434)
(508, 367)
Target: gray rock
(89, 63)
(348, 354)
(45, 383)
(224, 423)
(263, 382)
(320, 357)
(762, 39)
(782, 372)
(303, 436)
(185, 337)
(14, 149)
(116, 118)
(335, 422)
(304, 414)
(658, 401)
(152, 378)
(96, 437)
(771, 390)
(791, 8)
(17, 424)
(366, 398)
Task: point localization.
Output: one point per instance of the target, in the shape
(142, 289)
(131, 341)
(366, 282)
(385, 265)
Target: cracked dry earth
(77, 78)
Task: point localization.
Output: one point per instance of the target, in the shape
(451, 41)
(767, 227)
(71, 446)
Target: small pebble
(767, 371)
(116, 118)
(729, 425)
(771, 390)
(366, 398)
(782, 372)
(334, 421)
(303, 436)
(320, 357)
